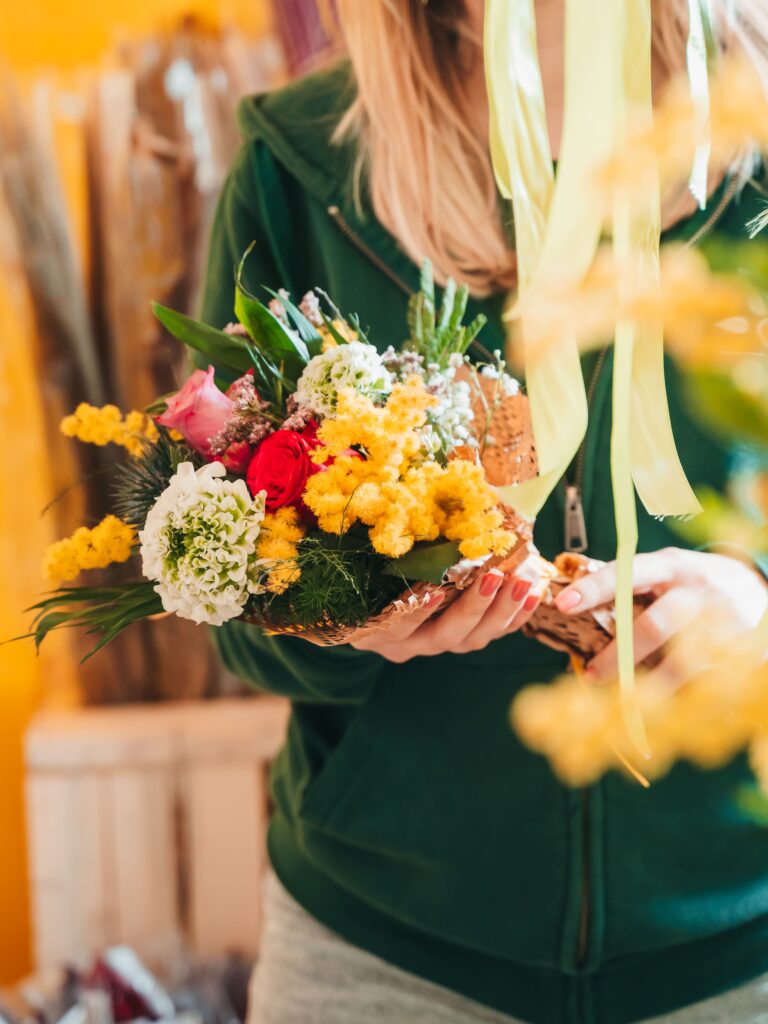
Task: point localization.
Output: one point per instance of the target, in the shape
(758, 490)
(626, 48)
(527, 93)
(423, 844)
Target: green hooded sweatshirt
(409, 818)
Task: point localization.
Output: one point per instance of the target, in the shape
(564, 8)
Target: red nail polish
(491, 583)
(434, 599)
(531, 602)
(520, 589)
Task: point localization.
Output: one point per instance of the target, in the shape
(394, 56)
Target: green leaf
(448, 305)
(223, 349)
(337, 336)
(425, 562)
(308, 333)
(470, 332)
(102, 611)
(267, 331)
(427, 300)
(415, 326)
(725, 407)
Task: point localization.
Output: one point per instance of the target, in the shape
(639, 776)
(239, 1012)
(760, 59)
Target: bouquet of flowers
(318, 486)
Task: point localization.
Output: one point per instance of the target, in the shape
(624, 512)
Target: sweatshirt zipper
(338, 218)
(576, 539)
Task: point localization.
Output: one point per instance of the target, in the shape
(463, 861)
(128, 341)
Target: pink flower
(198, 411)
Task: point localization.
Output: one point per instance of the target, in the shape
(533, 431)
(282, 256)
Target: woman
(431, 868)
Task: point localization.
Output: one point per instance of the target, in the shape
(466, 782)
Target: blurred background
(116, 129)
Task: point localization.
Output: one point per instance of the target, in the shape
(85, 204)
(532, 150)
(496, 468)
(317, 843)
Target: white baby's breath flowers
(354, 365)
(453, 413)
(509, 386)
(199, 544)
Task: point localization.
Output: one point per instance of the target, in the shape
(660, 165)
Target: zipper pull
(575, 527)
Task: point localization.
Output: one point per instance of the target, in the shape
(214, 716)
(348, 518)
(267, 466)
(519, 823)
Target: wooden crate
(146, 826)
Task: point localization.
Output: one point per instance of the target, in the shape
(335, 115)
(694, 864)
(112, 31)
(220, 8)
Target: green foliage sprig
(342, 574)
(139, 482)
(438, 334)
(99, 611)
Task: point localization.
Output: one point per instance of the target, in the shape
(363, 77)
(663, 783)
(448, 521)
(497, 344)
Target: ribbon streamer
(558, 229)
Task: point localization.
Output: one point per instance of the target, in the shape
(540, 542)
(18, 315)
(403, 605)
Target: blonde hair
(421, 158)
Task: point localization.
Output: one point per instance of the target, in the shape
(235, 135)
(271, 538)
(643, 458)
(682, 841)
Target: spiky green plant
(438, 334)
(100, 611)
(140, 481)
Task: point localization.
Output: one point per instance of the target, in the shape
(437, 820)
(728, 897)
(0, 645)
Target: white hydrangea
(199, 544)
(354, 365)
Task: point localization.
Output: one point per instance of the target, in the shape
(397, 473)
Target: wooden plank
(142, 848)
(72, 912)
(226, 807)
(147, 824)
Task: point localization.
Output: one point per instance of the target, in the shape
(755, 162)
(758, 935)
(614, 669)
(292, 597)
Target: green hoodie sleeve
(288, 666)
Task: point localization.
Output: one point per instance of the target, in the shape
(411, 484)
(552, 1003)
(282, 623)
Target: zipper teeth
(578, 477)
(336, 215)
(717, 213)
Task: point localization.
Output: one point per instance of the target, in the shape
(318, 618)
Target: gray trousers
(308, 975)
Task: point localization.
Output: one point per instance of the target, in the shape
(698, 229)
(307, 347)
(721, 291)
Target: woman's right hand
(492, 607)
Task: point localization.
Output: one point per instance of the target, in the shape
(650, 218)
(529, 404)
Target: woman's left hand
(686, 585)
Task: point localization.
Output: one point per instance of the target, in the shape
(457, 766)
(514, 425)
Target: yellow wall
(22, 536)
(69, 33)
(38, 35)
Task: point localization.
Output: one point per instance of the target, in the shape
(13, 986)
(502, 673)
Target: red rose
(281, 466)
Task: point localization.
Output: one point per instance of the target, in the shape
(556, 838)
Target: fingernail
(519, 589)
(531, 602)
(434, 599)
(568, 600)
(491, 583)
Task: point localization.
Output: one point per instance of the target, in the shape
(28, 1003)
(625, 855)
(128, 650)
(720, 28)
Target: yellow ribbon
(557, 230)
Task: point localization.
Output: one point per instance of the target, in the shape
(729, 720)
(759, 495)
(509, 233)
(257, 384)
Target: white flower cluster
(452, 415)
(354, 365)
(449, 421)
(199, 544)
(496, 371)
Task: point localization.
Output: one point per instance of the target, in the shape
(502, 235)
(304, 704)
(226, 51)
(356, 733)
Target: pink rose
(198, 411)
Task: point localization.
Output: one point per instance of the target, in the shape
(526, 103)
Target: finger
(658, 568)
(400, 629)
(449, 631)
(672, 673)
(653, 628)
(525, 614)
(407, 624)
(507, 605)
